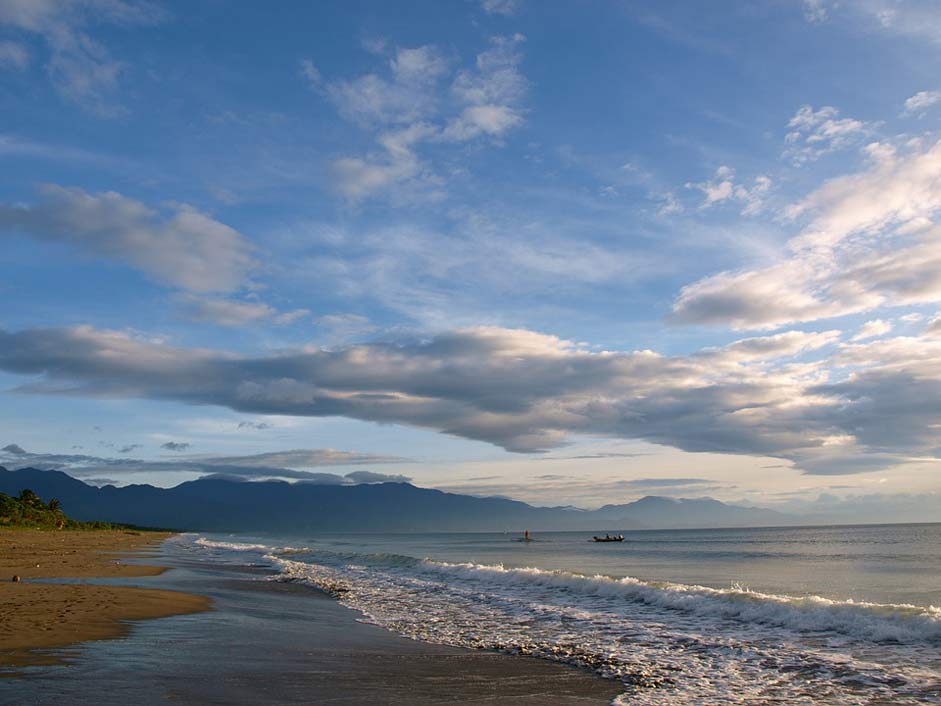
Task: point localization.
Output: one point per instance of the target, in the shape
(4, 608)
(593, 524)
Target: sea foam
(879, 622)
(666, 642)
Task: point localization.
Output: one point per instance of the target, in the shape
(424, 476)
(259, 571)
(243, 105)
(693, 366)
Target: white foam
(879, 622)
(668, 643)
(232, 546)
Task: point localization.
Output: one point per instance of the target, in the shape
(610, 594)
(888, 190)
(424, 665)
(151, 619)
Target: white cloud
(917, 18)
(920, 103)
(717, 190)
(501, 7)
(897, 190)
(372, 100)
(180, 247)
(669, 204)
(80, 68)
(766, 348)
(13, 55)
(231, 312)
(476, 120)
(872, 329)
(412, 106)
(912, 318)
(933, 328)
(341, 328)
(869, 243)
(495, 78)
(491, 91)
(723, 188)
(409, 94)
(815, 133)
(358, 177)
(224, 312)
(908, 18)
(286, 318)
(815, 10)
(421, 65)
(310, 72)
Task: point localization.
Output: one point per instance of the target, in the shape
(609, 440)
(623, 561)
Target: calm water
(762, 616)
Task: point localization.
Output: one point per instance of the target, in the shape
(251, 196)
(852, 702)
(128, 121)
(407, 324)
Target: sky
(573, 253)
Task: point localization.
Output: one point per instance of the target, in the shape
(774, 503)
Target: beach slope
(41, 616)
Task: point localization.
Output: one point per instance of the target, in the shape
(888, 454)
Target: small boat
(609, 538)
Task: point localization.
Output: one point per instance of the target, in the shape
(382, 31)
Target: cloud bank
(528, 392)
(281, 464)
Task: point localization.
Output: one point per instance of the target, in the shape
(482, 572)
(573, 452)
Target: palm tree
(29, 498)
(55, 505)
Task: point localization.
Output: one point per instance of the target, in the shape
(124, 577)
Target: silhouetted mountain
(222, 504)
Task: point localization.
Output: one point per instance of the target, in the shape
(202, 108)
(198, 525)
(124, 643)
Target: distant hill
(220, 504)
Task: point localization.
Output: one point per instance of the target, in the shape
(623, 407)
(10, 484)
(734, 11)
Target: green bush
(28, 511)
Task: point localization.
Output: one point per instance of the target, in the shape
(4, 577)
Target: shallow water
(268, 642)
(767, 616)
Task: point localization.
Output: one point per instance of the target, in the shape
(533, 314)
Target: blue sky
(551, 250)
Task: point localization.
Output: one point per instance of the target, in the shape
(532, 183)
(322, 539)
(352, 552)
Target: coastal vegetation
(28, 511)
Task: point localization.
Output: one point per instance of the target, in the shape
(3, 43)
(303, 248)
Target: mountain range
(223, 504)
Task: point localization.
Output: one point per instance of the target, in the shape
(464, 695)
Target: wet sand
(266, 642)
(41, 616)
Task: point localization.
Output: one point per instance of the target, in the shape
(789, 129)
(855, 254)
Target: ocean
(815, 615)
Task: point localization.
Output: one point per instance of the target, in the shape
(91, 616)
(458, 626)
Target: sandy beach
(40, 616)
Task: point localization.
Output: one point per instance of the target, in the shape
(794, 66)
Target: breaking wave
(871, 621)
(702, 645)
(234, 546)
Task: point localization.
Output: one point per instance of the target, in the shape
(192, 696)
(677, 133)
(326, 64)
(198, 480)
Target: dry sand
(43, 615)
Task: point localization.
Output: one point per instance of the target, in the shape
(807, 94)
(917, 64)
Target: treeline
(28, 511)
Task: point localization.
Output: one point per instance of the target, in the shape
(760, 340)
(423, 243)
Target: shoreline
(39, 618)
(272, 642)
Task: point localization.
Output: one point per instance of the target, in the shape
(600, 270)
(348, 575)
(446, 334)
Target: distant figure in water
(526, 535)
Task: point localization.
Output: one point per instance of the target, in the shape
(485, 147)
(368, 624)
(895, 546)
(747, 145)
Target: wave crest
(879, 622)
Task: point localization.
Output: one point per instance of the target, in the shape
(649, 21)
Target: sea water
(817, 615)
